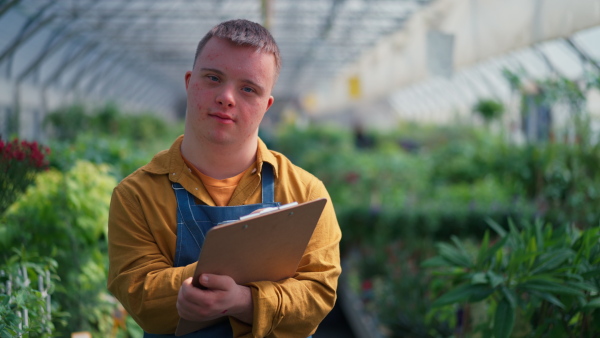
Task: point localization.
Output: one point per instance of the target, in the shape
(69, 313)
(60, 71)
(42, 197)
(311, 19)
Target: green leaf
(548, 297)
(510, 296)
(435, 262)
(512, 227)
(593, 304)
(492, 251)
(554, 260)
(584, 286)
(462, 293)
(591, 274)
(494, 278)
(538, 235)
(459, 245)
(479, 278)
(483, 249)
(499, 230)
(548, 285)
(575, 319)
(532, 247)
(504, 321)
(454, 256)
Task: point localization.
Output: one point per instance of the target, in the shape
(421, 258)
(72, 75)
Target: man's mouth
(222, 117)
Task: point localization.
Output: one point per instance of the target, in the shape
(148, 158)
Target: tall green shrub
(64, 217)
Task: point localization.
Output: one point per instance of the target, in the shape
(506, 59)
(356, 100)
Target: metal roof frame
(317, 37)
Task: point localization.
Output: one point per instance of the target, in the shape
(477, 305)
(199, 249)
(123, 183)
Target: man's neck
(220, 161)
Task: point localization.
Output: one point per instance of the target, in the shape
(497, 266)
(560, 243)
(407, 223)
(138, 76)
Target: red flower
(19, 161)
(19, 155)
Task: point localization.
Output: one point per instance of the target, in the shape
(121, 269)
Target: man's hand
(222, 297)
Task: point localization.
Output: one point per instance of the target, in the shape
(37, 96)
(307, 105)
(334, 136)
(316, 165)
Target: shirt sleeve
(141, 275)
(294, 307)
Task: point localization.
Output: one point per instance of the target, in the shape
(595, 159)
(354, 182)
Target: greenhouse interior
(457, 141)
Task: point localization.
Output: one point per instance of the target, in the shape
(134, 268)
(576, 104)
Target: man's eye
(212, 78)
(248, 89)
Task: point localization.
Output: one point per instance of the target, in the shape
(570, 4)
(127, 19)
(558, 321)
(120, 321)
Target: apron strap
(268, 183)
(183, 198)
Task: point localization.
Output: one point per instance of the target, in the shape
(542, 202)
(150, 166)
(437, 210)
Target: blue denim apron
(194, 220)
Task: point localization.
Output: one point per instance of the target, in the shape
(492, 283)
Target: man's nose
(225, 97)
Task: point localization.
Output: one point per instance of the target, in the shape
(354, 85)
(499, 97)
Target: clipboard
(265, 247)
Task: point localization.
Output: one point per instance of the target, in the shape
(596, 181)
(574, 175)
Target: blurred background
(458, 140)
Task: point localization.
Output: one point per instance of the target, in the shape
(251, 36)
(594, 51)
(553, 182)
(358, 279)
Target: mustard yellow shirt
(142, 231)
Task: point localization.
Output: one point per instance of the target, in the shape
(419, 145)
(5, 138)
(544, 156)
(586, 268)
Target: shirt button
(173, 174)
(253, 170)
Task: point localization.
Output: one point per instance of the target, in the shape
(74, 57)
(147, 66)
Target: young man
(219, 170)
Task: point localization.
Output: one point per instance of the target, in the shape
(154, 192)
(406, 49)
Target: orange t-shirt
(219, 190)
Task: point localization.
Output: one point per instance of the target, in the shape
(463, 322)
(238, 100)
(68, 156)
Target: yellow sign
(310, 103)
(354, 90)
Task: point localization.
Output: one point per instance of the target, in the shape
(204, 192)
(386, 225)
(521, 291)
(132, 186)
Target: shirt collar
(263, 154)
(171, 162)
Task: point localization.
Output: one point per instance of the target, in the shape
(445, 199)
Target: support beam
(61, 36)
(27, 32)
(582, 54)
(68, 62)
(102, 74)
(79, 74)
(52, 46)
(267, 13)
(545, 59)
(5, 7)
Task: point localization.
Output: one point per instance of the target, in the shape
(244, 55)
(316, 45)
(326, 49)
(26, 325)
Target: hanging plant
(489, 109)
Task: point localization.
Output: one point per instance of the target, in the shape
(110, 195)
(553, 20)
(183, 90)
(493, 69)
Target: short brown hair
(243, 33)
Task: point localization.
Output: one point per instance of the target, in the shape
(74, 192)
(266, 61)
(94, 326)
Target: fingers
(187, 305)
(198, 305)
(217, 282)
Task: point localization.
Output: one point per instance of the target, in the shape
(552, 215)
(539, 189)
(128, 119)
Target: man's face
(228, 93)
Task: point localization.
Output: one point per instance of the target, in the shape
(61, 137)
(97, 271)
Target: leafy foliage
(123, 141)
(26, 284)
(420, 184)
(64, 217)
(66, 124)
(544, 277)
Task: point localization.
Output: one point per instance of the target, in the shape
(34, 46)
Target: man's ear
(270, 103)
(188, 75)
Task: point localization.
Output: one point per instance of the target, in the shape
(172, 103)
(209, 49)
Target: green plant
(19, 162)
(122, 140)
(540, 279)
(26, 284)
(562, 89)
(121, 154)
(66, 123)
(489, 109)
(64, 216)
